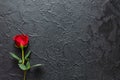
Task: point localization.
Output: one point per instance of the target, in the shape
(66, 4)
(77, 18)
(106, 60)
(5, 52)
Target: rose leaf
(15, 56)
(22, 67)
(27, 55)
(36, 65)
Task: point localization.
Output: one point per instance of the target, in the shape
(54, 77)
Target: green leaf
(28, 65)
(14, 56)
(22, 67)
(27, 55)
(36, 65)
(20, 61)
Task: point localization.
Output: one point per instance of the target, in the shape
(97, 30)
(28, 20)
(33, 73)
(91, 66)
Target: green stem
(25, 74)
(23, 56)
(23, 62)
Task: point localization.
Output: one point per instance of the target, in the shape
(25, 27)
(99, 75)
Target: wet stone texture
(74, 39)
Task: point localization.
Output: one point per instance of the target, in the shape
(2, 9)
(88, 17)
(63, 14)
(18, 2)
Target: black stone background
(74, 39)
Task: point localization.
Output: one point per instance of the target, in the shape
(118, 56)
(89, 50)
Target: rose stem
(25, 74)
(23, 61)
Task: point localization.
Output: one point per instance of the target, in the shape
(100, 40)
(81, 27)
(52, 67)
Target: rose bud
(21, 40)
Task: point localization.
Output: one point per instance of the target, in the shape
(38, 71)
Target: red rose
(21, 40)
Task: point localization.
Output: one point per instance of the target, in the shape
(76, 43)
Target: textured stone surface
(75, 39)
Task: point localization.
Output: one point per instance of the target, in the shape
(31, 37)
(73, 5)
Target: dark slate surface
(74, 39)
